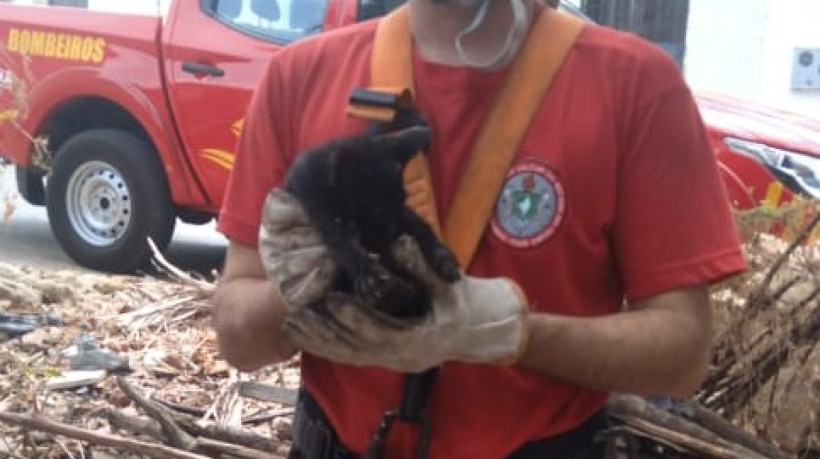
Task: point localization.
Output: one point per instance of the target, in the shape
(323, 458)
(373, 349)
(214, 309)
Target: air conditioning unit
(806, 69)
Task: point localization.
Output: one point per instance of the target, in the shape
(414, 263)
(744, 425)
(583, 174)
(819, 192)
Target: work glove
(292, 252)
(472, 320)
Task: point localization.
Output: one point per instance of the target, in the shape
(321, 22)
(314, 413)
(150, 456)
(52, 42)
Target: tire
(106, 195)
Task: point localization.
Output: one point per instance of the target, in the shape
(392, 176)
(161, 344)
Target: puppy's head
(403, 145)
(377, 176)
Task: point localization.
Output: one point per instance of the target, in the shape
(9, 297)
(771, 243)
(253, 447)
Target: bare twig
(210, 439)
(176, 436)
(733, 393)
(179, 408)
(37, 422)
(638, 412)
(720, 426)
(206, 444)
(205, 288)
(185, 430)
(267, 416)
(267, 393)
(133, 424)
(683, 440)
(798, 241)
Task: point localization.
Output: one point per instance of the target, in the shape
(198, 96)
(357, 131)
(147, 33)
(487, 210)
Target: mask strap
(516, 31)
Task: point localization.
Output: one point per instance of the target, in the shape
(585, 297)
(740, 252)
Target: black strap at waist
(579, 442)
(314, 438)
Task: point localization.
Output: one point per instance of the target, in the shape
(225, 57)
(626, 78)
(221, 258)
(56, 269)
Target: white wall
(746, 48)
(792, 23)
(115, 6)
(149, 7)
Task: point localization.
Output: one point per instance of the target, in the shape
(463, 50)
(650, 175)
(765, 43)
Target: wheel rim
(98, 203)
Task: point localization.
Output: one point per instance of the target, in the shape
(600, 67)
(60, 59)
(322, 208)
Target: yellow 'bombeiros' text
(73, 47)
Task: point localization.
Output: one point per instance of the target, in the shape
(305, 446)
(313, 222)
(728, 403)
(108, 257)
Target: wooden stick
(206, 444)
(267, 416)
(193, 434)
(37, 422)
(638, 411)
(204, 287)
(176, 436)
(687, 441)
(804, 234)
(134, 424)
(227, 435)
(711, 421)
(738, 391)
(267, 393)
(179, 408)
(202, 444)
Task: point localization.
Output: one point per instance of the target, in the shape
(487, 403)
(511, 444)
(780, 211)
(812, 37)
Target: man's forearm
(659, 349)
(247, 315)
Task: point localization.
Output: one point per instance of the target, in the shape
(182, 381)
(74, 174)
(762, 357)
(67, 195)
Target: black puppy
(352, 190)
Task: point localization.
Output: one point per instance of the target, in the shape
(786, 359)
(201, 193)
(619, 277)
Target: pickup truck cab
(120, 124)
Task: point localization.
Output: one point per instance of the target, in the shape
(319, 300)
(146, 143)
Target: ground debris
(161, 327)
(178, 398)
(766, 362)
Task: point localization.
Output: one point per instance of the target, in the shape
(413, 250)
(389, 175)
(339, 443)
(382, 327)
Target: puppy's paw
(372, 281)
(444, 263)
(405, 300)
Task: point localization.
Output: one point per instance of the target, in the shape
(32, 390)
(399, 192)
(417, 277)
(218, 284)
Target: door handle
(202, 69)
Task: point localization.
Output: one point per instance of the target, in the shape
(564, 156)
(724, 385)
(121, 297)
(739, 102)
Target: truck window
(278, 21)
(369, 9)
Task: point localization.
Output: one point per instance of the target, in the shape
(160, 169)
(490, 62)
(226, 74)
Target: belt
(582, 442)
(314, 438)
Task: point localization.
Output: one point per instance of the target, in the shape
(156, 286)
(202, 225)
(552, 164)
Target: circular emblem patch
(530, 207)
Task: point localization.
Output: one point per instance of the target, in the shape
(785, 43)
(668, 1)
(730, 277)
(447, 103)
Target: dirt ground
(766, 378)
(161, 327)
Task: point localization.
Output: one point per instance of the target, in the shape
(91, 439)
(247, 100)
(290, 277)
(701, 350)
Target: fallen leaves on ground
(162, 327)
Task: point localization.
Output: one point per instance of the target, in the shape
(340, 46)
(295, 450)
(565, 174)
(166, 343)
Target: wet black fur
(352, 189)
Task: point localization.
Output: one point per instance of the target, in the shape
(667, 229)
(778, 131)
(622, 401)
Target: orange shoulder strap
(534, 68)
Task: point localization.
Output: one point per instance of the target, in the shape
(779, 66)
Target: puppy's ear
(404, 144)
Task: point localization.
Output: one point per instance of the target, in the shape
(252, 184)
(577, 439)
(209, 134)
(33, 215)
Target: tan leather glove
(292, 251)
(472, 320)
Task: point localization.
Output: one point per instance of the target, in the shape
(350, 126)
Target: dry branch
(729, 394)
(183, 431)
(176, 436)
(180, 408)
(723, 428)
(178, 275)
(267, 393)
(232, 450)
(798, 241)
(640, 413)
(40, 423)
(264, 417)
(135, 425)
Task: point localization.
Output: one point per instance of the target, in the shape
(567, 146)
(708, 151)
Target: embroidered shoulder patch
(530, 207)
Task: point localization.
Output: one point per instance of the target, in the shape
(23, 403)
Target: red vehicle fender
(61, 87)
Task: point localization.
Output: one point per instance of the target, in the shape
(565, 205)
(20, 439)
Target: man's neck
(436, 25)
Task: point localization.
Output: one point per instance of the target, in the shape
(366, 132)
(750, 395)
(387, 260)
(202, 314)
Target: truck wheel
(106, 195)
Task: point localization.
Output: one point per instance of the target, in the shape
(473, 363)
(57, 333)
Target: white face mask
(513, 40)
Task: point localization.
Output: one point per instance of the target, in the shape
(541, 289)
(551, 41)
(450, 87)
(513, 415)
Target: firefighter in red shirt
(603, 289)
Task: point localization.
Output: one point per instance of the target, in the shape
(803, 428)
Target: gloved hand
(292, 251)
(472, 320)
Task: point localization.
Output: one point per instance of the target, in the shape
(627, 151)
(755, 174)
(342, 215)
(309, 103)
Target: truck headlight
(800, 172)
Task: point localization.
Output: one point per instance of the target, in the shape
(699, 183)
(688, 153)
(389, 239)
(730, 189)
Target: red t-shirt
(614, 194)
